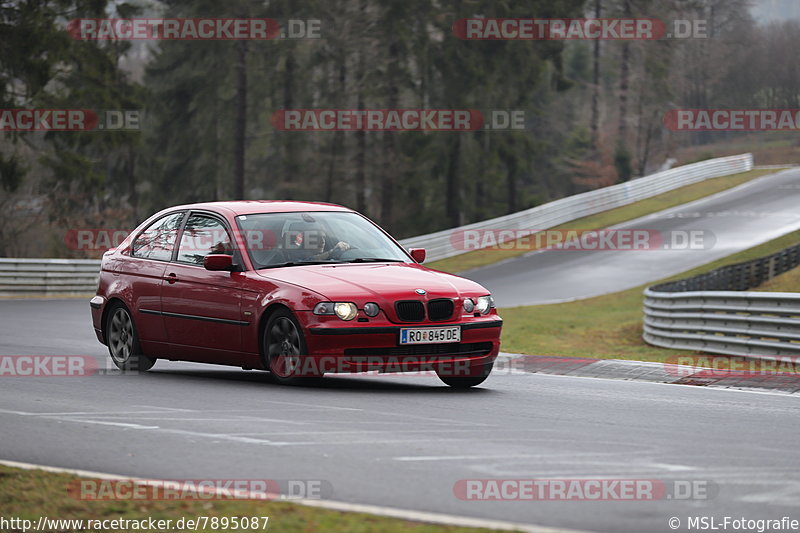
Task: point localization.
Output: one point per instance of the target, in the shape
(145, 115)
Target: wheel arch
(270, 310)
(110, 304)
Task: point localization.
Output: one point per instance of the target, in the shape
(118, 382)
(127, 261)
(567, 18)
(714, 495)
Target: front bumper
(334, 347)
(97, 305)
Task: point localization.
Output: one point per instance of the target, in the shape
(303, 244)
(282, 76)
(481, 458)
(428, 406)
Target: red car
(297, 288)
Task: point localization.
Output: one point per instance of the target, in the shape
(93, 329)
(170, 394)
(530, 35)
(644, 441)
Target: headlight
(469, 305)
(485, 304)
(371, 309)
(344, 310)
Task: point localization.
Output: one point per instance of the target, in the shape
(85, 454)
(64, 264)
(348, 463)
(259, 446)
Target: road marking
(233, 437)
(163, 408)
(103, 423)
(236, 419)
(225, 436)
(333, 505)
(699, 390)
(80, 413)
(383, 431)
(668, 467)
(410, 458)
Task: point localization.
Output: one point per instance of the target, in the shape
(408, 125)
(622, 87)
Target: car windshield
(317, 237)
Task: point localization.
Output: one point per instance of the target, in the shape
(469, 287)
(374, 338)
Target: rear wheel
(477, 375)
(123, 341)
(285, 348)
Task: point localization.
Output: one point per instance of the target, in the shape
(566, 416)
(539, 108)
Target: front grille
(444, 351)
(410, 310)
(441, 309)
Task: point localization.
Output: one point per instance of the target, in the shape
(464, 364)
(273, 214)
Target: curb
(785, 381)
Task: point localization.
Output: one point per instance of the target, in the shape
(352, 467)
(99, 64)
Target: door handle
(171, 278)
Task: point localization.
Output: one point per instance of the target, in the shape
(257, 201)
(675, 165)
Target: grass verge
(786, 282)
(487, 256)
(30, 494)
(610, 326)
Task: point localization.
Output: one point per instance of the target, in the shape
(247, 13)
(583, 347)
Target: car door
(202, 308)
(142, 274)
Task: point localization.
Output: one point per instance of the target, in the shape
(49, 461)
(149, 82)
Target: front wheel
(123, 341)
(477, 376)
(285, 349)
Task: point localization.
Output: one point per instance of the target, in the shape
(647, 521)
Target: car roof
(249, 207)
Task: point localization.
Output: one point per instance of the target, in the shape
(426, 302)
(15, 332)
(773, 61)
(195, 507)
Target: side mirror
(218, 262)
(418, 254)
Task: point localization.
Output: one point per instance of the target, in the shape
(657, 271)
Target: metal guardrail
(712, 313)
(738, 277)
(439, 245)
(42, 277)
(20, 277)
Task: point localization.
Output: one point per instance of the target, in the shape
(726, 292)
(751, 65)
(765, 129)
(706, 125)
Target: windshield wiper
(301, 263)
(375, 260)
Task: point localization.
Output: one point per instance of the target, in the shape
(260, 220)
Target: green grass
(610, 326)
(786, 282)
(29, 494)
(487, 256)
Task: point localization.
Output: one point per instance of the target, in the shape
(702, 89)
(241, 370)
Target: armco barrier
(20, 277)
(712, 313)
(42, 277)
(440, 246)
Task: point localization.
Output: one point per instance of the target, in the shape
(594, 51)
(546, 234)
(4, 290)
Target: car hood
(378, 282)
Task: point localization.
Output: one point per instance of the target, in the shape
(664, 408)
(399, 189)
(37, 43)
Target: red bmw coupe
(297, 288)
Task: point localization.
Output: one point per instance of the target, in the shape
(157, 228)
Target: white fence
(20, 277)
(754, 324)
(440, 246)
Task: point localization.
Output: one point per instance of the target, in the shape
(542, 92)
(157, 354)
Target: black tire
(285, 348)
(478, 376)
(123, 341)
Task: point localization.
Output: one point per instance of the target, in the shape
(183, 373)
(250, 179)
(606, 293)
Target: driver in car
(321, 254)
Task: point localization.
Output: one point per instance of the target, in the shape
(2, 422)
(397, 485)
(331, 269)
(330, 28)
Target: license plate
(430, 335)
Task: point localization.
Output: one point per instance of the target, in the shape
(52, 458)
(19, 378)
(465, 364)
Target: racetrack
(397, 441)
(733, 220)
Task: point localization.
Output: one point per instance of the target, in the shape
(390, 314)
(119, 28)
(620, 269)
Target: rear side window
(203, 235)
(158, 240)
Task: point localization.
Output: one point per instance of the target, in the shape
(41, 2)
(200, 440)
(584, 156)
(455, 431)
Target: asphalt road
(401, 442)
(732, 220)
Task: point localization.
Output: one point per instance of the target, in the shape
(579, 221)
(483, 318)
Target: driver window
(203, 235)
